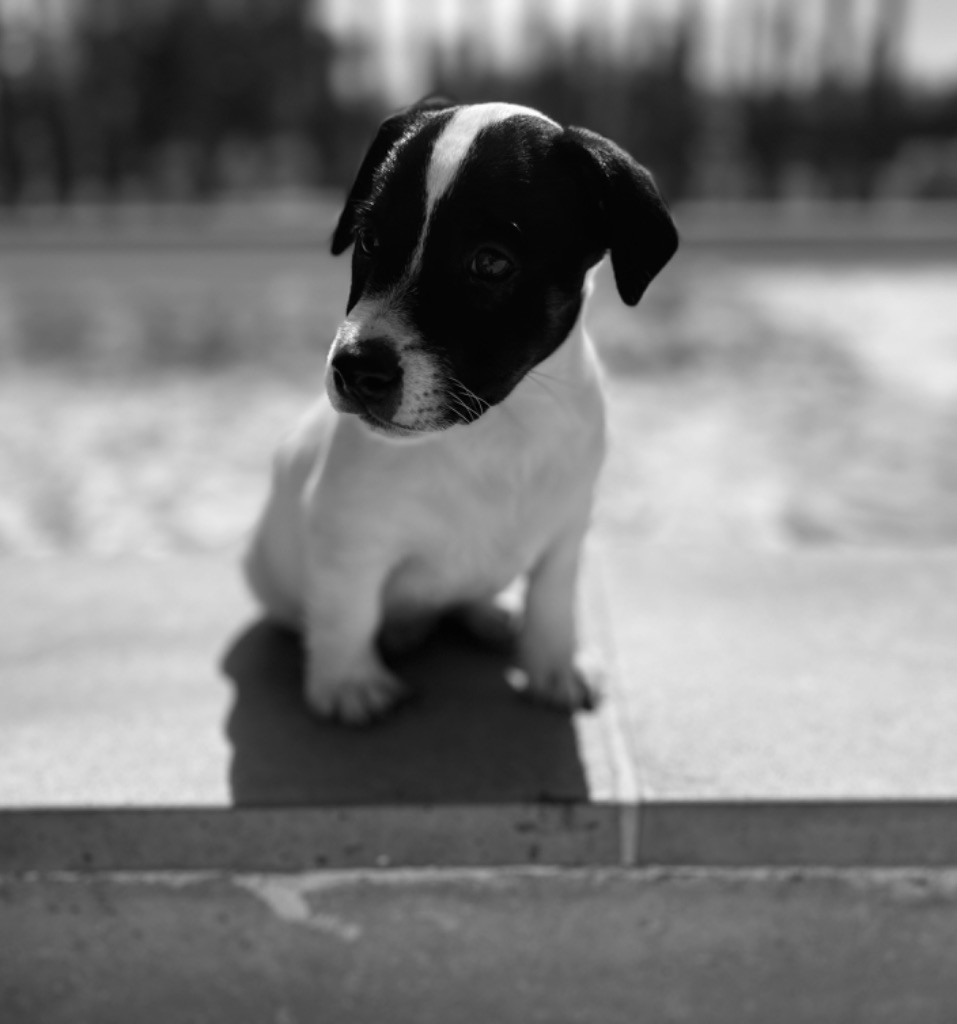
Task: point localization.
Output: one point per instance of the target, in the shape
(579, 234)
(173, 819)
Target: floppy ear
(390, 131)
(634, 223)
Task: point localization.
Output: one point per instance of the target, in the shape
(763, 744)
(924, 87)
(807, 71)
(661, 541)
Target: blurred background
(170, 172)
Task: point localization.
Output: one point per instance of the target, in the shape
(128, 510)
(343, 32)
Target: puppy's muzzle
(367, 377)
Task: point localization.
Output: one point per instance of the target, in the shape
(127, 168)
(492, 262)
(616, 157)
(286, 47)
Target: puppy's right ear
(390, 131)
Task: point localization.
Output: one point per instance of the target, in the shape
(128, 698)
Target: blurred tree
(645, 99)
(769, 109)
(190, 97)
(109, 36)
(190, 78)
(11, 163)
(34, 129)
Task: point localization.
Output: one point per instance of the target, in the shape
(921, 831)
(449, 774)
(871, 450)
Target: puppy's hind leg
(260, 577)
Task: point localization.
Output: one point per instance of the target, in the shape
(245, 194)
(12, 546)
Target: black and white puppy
(463, 429)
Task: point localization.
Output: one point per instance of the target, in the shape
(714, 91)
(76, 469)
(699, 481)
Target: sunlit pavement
(762, 709)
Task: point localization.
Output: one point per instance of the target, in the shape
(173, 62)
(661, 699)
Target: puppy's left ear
(634, 223)
(390, 131)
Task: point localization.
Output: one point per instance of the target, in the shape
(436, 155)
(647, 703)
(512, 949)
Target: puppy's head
(473, 229)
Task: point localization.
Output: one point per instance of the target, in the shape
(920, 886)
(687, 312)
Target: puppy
(460, 437)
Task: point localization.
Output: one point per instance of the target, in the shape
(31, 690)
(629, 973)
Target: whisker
(471, 395)
(457, 403)
(540, 378)
(549, 376)
(466, 399)
(467, 390)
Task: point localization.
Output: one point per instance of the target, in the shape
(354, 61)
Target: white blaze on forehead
(449, 153)
(452, 146)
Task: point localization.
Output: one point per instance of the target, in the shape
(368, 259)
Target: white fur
(363, 534)
(455, 141)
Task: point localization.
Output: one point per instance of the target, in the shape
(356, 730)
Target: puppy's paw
(491, 624)
(357, 697)
(570, 686)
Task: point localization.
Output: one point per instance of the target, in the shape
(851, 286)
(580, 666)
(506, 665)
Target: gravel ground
(755, 404)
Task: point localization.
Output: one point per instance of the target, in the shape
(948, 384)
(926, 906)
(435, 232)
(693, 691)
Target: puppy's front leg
(345, 677)
(548, 640)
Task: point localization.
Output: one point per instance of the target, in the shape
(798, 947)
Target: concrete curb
(508, 946)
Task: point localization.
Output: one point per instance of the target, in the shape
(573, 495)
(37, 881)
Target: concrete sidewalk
(165, 802)
(763, 708)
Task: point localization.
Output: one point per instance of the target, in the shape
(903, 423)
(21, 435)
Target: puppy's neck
(574, 361)
(575, 354)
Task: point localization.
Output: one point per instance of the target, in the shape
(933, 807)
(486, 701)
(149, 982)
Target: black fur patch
(514, 193)
(550, 201)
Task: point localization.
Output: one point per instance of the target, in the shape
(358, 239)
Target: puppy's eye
(367, 241)
(492, 266)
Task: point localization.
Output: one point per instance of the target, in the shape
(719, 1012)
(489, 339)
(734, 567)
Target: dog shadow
(463, 737)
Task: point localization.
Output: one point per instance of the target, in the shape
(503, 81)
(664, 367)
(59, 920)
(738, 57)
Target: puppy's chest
(475, 528)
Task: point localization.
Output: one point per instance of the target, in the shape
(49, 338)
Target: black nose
(368, 371)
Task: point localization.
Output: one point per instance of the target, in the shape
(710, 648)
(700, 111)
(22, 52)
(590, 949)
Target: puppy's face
(473, 229)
